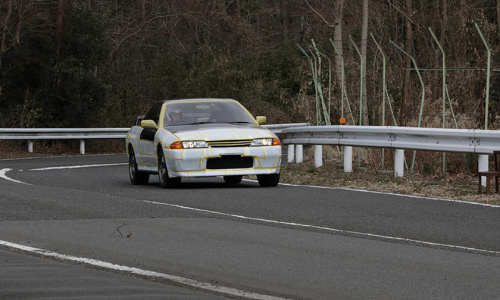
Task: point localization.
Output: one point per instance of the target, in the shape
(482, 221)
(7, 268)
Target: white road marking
(378, 236)
(3, 172)
(140, 272)
(57, 156)
(77, 167)
(208, 286)
(3, 175)
(384, 193)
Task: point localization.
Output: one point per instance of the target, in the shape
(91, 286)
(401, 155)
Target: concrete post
(291, 153)
(482, 166)
(399, 163)
(348, 159)
(82, 146)
(318, 156)
(30, 146)
(299, 155)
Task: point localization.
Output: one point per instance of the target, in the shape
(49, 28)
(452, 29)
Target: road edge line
(199, 285)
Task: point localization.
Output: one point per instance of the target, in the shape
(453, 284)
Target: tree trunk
(337, 36)
(60, 15)
(59, 27)
(364, 43)
(444, 20)
(406, 77)
(5, 29)
(284, 19)
(498, 18)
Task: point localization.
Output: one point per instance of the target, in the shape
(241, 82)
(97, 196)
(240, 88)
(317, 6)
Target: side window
(154, 113)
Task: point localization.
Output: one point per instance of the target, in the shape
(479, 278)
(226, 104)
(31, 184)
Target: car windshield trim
(202, 123)
(195, 123)
(206, 112)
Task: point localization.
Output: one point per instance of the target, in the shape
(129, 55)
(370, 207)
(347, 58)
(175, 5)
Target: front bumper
(223, 161)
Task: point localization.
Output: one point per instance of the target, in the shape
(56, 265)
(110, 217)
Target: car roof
(198, 99)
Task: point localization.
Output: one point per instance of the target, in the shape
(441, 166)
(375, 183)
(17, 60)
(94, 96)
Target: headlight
(266, 142)
(188, 145)
(194, 144)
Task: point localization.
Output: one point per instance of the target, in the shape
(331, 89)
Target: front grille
(229, 162)
(229, 143)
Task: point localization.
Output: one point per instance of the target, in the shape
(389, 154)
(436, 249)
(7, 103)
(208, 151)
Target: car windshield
(201, 112)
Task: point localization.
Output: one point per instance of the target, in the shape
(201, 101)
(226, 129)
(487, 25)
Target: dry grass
(331, 174)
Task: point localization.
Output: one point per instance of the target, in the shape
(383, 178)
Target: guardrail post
(482, 166)
(299, 155)
(399, 163)
(348, 159)
(318, 156)
(30, 146)
(82, 146)
(291, 153)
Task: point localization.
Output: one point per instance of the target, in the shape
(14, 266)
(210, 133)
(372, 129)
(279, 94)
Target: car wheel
(136, 177)
(268, 180)
(234, 179)
(165, 180)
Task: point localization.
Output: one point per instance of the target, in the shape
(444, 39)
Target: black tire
(165, 180)
(136, 177)
(268, 180)
(233, 179)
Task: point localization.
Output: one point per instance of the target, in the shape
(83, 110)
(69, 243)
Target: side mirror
(148, 124)
(261, 120)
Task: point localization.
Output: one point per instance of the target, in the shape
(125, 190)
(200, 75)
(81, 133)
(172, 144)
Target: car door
(146, 141)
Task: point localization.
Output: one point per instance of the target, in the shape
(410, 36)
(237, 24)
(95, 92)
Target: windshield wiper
(196, 123)
(206, 122)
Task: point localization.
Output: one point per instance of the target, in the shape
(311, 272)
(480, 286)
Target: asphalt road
(215, 240)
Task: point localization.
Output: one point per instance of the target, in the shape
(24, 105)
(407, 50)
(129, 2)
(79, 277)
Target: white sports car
(201, 138)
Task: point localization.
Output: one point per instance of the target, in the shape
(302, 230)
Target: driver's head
(175, 115)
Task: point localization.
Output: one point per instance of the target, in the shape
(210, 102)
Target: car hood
(213, 131)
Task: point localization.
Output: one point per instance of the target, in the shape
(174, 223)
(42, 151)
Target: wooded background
(91, 63)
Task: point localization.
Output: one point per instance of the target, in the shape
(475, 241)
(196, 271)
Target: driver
(175, 116)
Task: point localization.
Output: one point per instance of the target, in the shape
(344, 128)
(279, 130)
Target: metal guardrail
(62, 133)
(406, 138)
(278, 128)
(478, 141)
(83, 134)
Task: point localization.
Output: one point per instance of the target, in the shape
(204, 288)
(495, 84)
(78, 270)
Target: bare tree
(5, 31)
(12, 19)
(364, 44)
(407, 60)
(498, 17)
(337, 34)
